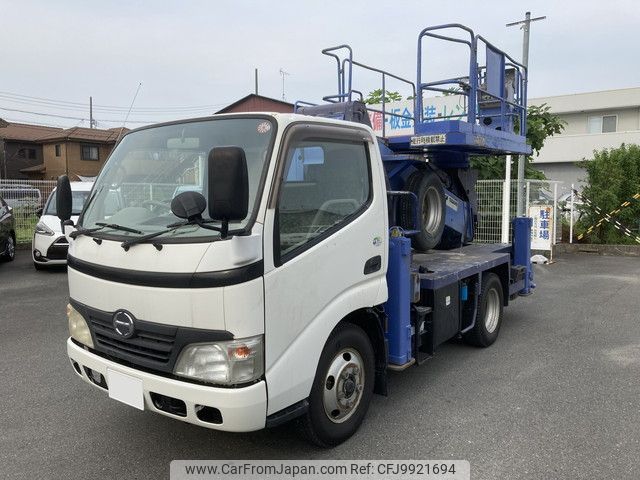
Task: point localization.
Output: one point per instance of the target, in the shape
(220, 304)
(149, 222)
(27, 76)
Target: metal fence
(26, 197)
(492, 214)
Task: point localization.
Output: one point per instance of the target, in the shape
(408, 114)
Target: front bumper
(53, 249)
(242, 409)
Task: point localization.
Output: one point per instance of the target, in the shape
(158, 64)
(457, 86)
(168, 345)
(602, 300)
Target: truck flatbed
(439, 268)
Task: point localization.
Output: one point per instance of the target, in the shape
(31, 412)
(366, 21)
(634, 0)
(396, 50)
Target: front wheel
(489, 316)
(342, 388)
(9, 249)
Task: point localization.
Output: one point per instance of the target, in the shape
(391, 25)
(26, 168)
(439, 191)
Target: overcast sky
(202, 54)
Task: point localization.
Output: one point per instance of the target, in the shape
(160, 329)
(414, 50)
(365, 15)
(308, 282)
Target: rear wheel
(342, 388)
(489, 316)
(9, 249)
(431, 209)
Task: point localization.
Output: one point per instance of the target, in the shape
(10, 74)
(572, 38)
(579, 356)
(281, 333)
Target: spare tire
(431, 209)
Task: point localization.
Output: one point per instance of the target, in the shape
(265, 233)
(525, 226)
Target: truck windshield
(151, 166)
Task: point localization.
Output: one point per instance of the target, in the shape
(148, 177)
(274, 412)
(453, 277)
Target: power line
(68, 104)
(67, 117)
(32, 122)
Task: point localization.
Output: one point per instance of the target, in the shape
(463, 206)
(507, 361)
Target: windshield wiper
(101, 226)
(115, 226)
(170, 228)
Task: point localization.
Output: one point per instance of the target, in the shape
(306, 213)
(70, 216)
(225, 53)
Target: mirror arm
(66, 223)
(223, 229)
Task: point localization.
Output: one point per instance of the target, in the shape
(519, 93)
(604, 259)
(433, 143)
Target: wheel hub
(431, 211)
(492, 311)
(349, 387)
(343, 386)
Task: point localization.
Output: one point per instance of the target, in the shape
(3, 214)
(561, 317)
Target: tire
(9, 253)
(348, 354)
(489, 316)
(431, 209)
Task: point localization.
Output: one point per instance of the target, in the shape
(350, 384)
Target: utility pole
(525, 26)
(283, 73)
(256, 78)
(91, 121)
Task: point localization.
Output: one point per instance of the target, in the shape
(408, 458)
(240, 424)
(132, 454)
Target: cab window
(326, 183)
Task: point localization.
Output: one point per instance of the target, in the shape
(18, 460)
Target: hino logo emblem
(123, 324)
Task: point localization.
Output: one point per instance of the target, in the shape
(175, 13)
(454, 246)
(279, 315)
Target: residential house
(77, 151)
(258, 103)
(20, 149)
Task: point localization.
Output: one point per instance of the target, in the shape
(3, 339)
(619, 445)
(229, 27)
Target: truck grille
(151, 342)
(154, 346)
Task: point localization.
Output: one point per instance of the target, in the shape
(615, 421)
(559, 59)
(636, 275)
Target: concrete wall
(573, 148)
(578, 122)
(560, 152)
(564, 172)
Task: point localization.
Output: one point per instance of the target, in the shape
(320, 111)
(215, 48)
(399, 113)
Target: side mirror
(64, 200)
(39, 211)
(228, 185)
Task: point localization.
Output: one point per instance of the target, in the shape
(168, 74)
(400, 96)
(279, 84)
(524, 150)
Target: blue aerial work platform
(437, 153)
(437, 294)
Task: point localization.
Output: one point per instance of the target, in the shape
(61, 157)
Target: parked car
(7, 232)
(49, 245)
(22, 196)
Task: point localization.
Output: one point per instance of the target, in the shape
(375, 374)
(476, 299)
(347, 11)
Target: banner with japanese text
(398, 118)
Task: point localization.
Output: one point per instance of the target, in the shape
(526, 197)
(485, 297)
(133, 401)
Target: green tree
(613, 177)
(375, 97)
(541, 124)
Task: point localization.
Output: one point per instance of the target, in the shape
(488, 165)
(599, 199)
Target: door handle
(373, 265)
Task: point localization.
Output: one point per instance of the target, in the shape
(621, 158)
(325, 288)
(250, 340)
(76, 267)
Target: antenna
(256, 80)
(127, 117)
(92, 122)
(283, 73)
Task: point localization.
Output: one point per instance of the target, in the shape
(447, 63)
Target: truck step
(399, 368)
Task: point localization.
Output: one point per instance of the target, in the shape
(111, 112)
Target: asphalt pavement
(557, 396)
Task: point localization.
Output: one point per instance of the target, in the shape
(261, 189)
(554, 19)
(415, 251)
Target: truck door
(327, 256)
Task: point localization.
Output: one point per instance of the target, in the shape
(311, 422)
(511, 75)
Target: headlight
(42, 229)
(232, 362)
(78, 328)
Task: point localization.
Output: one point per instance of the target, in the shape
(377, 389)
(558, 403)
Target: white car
(49, 246)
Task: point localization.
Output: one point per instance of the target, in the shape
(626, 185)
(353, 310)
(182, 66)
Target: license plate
(125, 389)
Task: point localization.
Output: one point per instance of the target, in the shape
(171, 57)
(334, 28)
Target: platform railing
(470, 86)
(520, 94)
(346, 92)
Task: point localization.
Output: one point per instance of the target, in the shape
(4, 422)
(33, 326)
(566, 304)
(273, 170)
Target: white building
(595, 120)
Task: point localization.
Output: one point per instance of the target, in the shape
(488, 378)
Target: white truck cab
(239, 284)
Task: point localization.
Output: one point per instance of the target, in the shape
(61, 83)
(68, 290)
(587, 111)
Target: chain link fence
(26, 198)
(536, 193)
